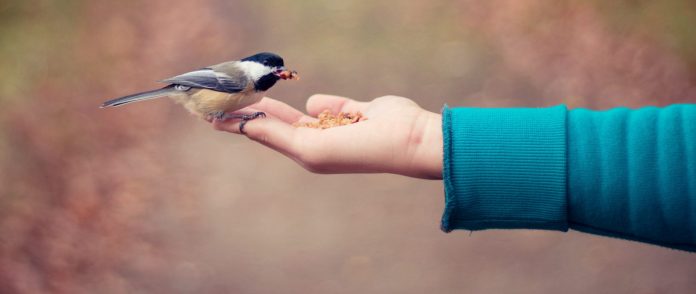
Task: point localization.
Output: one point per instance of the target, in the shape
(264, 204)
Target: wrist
(427, 157)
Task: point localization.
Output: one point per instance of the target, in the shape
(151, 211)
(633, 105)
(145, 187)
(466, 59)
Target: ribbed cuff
(504, 168)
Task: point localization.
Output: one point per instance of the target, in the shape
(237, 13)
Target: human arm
(623, 173)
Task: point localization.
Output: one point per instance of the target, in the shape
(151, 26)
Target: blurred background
(148, 199)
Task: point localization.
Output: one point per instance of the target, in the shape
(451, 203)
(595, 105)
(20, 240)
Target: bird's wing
(232, 80)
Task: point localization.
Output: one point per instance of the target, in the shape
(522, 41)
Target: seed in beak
(288, 75)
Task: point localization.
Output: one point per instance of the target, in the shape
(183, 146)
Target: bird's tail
(139, 97)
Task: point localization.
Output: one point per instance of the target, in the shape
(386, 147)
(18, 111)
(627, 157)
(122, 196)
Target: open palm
(397, 137)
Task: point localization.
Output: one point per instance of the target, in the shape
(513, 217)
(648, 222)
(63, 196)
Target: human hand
(397, 137)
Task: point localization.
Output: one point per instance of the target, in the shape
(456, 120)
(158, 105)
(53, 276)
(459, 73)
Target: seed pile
(328, 120)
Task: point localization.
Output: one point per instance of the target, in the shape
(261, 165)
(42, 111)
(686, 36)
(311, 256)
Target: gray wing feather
(209, 78)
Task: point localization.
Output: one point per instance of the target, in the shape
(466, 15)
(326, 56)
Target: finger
(268, 131)
(320, 102)
(279, 109)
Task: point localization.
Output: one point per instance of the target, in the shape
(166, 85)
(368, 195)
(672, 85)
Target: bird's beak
(285, 74)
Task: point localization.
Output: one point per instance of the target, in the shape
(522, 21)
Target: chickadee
(213, 91)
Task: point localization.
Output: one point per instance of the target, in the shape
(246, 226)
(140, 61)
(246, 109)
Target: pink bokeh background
(148, 199)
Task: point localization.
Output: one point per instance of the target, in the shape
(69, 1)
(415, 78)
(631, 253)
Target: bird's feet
(222, 116)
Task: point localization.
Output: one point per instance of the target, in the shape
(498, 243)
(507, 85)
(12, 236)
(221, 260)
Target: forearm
(622, 173)
(504, 168)
(632, 174)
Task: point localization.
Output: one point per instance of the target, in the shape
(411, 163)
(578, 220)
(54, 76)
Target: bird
(213, 92)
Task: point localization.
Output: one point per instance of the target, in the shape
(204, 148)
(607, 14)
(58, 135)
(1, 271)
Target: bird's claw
(222, 116)
(248, 117)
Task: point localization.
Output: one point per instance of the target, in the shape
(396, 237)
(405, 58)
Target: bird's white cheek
(254, 70)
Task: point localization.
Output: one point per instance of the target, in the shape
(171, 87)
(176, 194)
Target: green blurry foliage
(33, 33)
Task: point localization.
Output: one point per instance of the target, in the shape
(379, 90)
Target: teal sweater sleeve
(623, 173)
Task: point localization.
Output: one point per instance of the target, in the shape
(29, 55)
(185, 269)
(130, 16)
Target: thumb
(320, 102)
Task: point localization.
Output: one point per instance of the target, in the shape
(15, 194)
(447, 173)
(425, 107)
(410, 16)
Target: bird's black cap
(266, 58)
